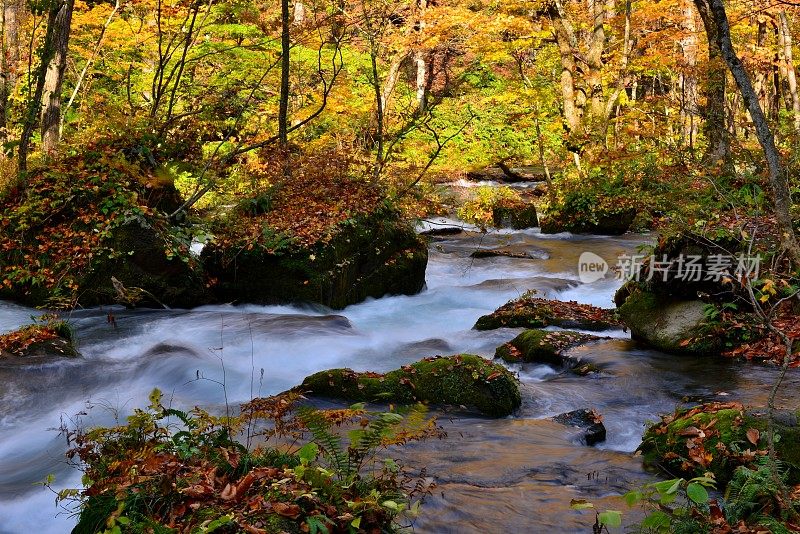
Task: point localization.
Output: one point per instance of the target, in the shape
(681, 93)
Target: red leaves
(308, 208)
(19, 341)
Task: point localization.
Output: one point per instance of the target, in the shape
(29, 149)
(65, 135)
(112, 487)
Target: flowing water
(511, 474)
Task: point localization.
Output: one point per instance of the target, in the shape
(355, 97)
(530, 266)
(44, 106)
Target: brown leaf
(753, 436)
(291, 511)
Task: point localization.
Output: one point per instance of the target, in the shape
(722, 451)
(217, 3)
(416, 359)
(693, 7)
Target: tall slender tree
(718, 146)
(61, 20)
(778, 176)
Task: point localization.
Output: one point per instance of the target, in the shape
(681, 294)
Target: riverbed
(511, 474)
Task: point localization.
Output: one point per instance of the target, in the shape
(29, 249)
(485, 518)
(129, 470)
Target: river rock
(667, 324)
(372, 257)
(51, 339)
(507, 252)
(462, 380)
(590, 423)
(601, 223)
(542, 346)
(517, 216)
(442, 232)
(88, 218)
(533, 312)
(718, 438)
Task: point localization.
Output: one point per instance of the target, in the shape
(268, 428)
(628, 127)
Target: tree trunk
(566, 41)
(778, 176)
(55, 24)
(61, 20)
(689, 93)
(299, 15)
(283, 112)
(760, 77)
(714, 90)
(791, 77)
(420, 59)
(10, 61)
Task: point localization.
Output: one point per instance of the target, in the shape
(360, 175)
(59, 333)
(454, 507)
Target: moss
(370, 256)
(86, 218)
(519, 216)
(531, 312)
(464, 379)
(667, 324)
(715, 439)
(50, 338)
(540, 346)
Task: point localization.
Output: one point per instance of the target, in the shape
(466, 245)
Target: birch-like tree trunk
(420, 60)
(688, 77)
(791, 78)
(10, 60)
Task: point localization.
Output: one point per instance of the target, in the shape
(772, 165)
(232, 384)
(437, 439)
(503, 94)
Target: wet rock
(508, 174)
(667, 324)
(50, 339)
(446, 231)
(462, 380)
(718, 438)
(590, 423)
(602, 223)
(517, 216)
(501, 253)
(541, 284)
(541, 346)
(372, 257)
(533, 312)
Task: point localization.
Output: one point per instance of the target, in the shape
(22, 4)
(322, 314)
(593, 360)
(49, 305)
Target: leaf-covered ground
(534, 312)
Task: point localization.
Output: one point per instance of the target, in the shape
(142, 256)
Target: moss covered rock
(371, 256)
(86, 219)
(51, 337)
(532, 312)
(517, 216)
(541, 346)
(464, 379)
(598, 220)
(717, 438)
(668, 324)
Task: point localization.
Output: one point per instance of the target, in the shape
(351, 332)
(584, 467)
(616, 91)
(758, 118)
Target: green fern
(754, 493)
(329, 443)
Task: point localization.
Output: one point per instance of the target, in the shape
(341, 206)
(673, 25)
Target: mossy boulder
(370, 256)
(542, 346)
(88, 218)
(533, 312)
(668, 324)
(518, 216)
(46, 339)
(589, 217)
(464, 380)
(718, 438)
(693, 259)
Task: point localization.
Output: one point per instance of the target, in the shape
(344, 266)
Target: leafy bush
(172, 471)
(480, 210)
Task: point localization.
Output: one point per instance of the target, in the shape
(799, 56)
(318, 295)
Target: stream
(510, 474)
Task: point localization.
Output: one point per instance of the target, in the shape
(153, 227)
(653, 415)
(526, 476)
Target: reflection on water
(493, 475)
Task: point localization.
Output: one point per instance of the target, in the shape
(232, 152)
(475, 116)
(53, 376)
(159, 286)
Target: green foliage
(144, 475)
(480, 210)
